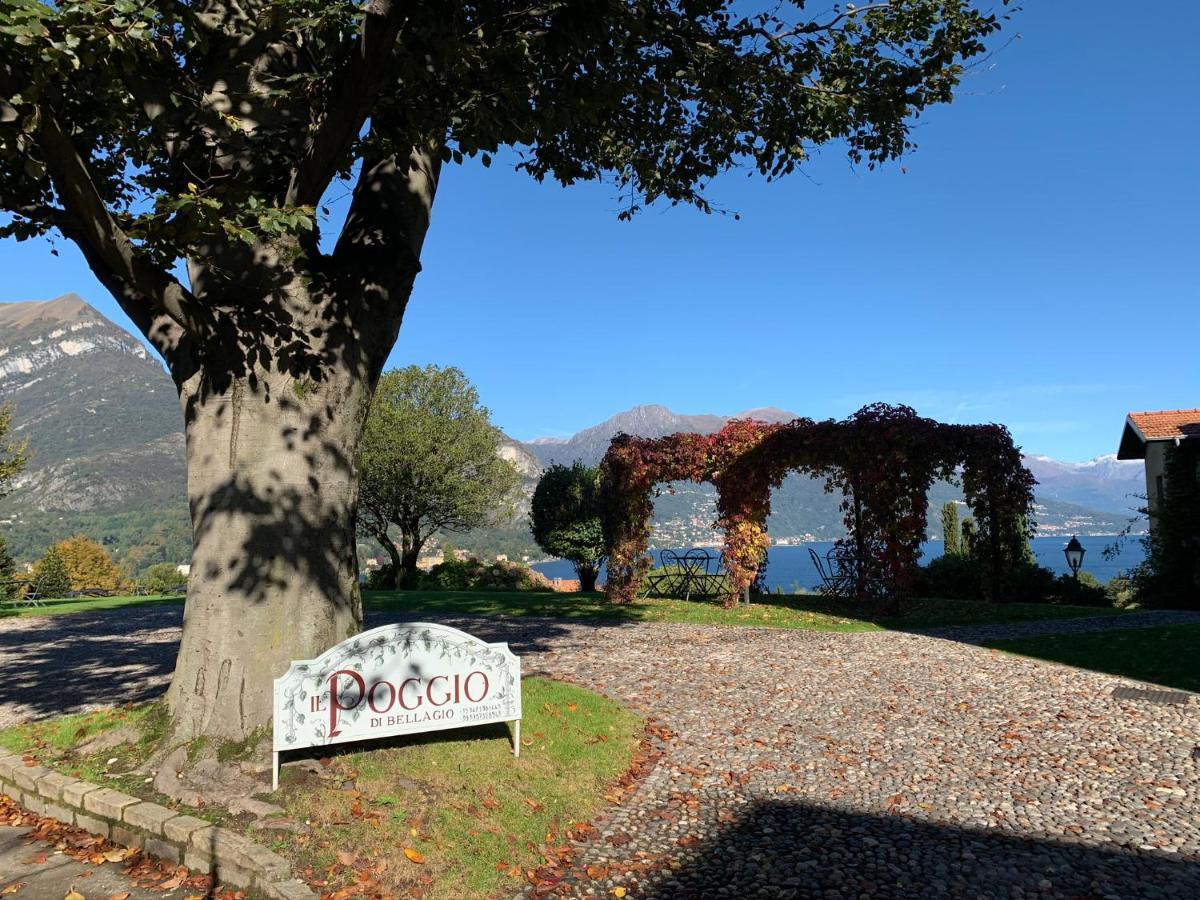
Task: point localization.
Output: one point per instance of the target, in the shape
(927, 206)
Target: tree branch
(103, 241)
(349, 102)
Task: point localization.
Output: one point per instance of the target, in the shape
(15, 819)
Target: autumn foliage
(89, 565)
(882, 459)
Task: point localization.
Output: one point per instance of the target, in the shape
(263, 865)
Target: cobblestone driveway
(806, 764)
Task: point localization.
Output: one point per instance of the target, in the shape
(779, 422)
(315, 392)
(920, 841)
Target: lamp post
(1074, 552)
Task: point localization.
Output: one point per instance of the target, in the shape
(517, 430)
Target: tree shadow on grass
(782, 849)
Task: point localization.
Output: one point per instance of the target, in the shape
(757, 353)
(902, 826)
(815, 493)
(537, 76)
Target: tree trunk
(272, 488)
(587, 576)
(397, 565)
(408, 561)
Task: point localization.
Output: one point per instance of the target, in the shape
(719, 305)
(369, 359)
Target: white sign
(396, 679)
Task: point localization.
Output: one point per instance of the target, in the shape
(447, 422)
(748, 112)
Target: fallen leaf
(619, 892)
(73, 894)
(346, 858)
(124, 895)
(12, 888)
(413, 855)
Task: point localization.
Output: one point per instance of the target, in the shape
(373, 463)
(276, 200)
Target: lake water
(790, 567)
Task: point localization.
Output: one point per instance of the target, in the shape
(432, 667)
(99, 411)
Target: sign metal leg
(517, 738)
(274, 770)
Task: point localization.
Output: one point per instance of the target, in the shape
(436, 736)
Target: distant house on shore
(1147, 436)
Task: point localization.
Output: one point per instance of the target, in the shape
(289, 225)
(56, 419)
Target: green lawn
(87, 604)
(1165, 656)
(804, 611)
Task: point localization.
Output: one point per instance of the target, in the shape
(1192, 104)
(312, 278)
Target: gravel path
(977, 634)
(805, 764)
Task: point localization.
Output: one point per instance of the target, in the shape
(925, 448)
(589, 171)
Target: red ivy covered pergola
(883, 459)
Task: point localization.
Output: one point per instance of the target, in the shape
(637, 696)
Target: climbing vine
(882, 459)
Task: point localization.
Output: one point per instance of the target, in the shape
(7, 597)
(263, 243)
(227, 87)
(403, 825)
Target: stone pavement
(804, 764)
(57, 875)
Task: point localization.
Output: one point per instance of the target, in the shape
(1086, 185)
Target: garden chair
(831, 585)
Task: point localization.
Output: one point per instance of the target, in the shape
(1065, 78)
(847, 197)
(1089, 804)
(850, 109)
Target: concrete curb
(205, 848)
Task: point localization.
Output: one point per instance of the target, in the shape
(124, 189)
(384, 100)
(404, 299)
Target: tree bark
(587, 576)
(272, 488)
(411, 552)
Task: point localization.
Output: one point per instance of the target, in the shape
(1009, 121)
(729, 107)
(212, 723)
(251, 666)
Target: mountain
(1076, 498)
(1101, 483)
(103, 423)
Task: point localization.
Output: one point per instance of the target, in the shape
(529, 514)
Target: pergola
(883, 459)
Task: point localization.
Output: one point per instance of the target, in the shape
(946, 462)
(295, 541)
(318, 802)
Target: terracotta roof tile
(1167, 424)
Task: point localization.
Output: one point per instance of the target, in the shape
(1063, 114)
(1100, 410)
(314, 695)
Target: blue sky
(1034, 263)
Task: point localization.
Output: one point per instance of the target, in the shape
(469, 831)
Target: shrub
(960, 577)
(161, 578)
(466, 575)
(473, 575)
(1087, 590)
(381, 578)
(952, 576)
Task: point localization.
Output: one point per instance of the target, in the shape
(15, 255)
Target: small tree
(13, 455)
(969, 536)
(565, 519)
(7, 568)
(430, 462)
(88, 564)
(951, 530)
(50, 575)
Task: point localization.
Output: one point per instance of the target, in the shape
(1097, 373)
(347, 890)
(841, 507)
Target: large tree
(186, 149)
(430, 462)
(564, 516)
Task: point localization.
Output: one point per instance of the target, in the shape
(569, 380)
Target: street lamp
(1074, 552)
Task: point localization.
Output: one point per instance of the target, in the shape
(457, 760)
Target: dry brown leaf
(413, 855)
(346, 858)
(12, 888)
(124, 895)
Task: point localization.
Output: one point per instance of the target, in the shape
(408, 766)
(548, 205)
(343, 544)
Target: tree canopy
(430, 462)
(147, 131)
(565, 518)
(88, 564)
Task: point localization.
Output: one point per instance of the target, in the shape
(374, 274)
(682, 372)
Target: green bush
(161, 578)
(959, 576)
(952, 576)
(473, 575)
(382, 578)
(465, 575)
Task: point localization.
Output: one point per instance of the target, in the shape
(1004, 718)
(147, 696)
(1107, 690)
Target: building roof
(1164, 425)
